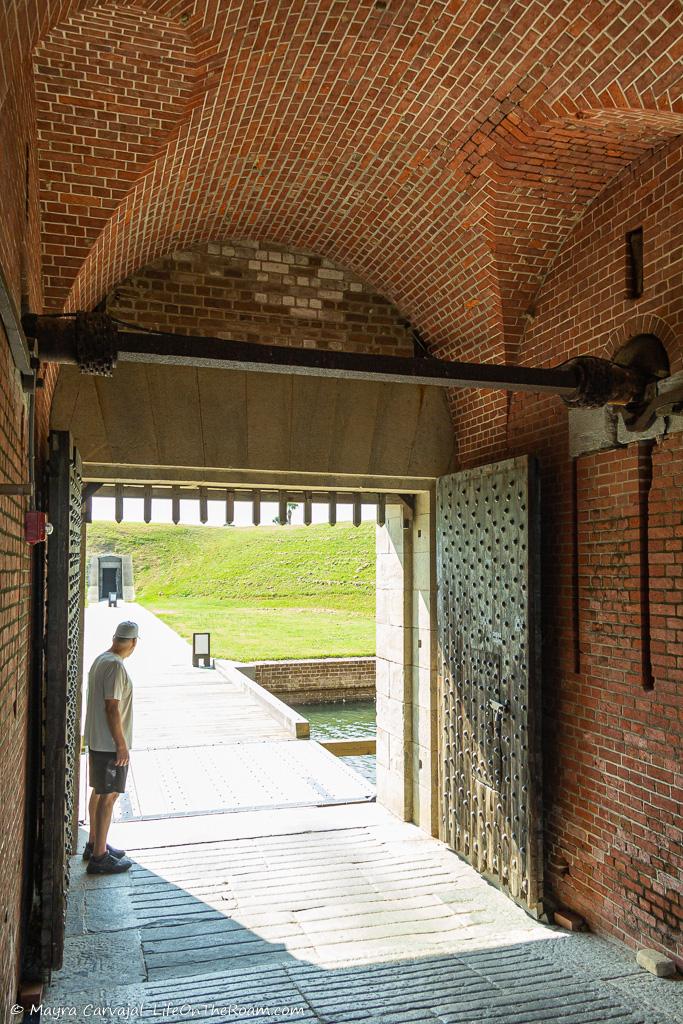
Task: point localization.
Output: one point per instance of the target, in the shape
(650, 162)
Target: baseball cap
(126, 630)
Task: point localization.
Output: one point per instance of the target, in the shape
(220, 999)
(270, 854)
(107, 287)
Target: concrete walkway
(326, 914)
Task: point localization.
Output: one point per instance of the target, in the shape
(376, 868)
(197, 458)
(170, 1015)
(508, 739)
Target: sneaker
(87, 851)
(108, 865)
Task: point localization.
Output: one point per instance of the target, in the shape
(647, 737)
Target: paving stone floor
(335, 914)
(328, 915)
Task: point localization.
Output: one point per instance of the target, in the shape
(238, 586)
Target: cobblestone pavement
(350, 917)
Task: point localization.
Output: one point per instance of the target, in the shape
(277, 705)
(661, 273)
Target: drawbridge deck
(202, 743)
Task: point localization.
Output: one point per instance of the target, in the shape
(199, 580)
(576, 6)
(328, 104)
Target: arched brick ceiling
(441, 150)
(544, 178)
(112, 84)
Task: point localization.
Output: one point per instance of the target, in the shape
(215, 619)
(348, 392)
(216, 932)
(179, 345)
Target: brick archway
(431, 199)
(410, 143)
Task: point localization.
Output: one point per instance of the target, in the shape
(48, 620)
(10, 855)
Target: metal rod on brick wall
(15, 489)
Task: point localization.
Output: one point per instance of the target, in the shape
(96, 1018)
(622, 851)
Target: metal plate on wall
(487, 613)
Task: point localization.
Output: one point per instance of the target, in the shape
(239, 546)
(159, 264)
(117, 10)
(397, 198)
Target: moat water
(350, 719)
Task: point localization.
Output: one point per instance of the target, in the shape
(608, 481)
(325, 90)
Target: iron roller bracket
(88, 339)
(601, 382)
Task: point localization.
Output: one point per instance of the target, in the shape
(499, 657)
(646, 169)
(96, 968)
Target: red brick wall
(264, 293)
(21, 268)
(316, 680)
(20, 263)
(14, 627)
(19, 210)
(611, 747)
(613, 809)
(408, 141)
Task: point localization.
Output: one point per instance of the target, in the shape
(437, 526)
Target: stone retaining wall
(315, 680)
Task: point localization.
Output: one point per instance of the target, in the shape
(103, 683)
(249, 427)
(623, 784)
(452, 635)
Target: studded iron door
(61, 728)
(488, 626)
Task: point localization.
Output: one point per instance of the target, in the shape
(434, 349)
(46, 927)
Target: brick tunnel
(490, 183)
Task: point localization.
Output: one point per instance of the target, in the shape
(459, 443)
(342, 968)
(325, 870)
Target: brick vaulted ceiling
(441, 150)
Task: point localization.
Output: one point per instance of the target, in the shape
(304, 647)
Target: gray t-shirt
(108, 678)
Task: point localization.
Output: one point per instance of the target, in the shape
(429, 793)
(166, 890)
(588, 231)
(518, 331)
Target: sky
(103, 509)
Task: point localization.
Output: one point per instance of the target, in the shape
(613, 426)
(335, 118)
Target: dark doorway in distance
(110, 582)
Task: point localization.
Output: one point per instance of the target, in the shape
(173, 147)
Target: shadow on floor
(235, 929)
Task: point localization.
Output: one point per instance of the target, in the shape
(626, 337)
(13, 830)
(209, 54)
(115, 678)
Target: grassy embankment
(263, 593)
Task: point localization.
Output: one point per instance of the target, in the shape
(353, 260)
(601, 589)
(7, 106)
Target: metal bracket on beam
(14, 490)
(11, 321)
(357, 509)
(229, 507)
(118, 503)
(203, 505)
(308, 508)
(147, 504)
(91, 488)
(662, 404)
(381, 509)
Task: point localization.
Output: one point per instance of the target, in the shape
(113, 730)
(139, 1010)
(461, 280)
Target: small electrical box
(35, 527)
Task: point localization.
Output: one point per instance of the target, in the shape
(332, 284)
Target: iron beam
(95, 343)
(172, 350)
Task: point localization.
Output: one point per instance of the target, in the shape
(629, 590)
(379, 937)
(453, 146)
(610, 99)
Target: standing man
(109, 736)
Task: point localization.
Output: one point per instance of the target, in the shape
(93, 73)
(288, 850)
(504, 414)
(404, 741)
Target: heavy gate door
(488, 629)
(61, 730)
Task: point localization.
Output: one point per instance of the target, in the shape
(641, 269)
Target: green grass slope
(263, 593)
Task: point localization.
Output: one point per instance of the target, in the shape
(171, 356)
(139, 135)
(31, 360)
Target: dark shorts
(105, 776)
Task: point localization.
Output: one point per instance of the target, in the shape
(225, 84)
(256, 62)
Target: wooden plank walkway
(174, 703)
(201, 743)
